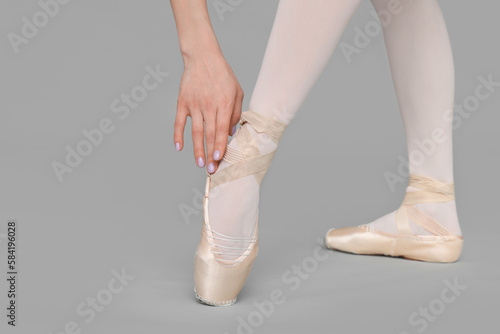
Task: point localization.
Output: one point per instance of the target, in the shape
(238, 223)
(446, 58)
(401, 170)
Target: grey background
(122, 206)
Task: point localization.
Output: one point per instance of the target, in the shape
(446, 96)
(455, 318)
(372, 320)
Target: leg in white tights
(423, 74)
(302, 40)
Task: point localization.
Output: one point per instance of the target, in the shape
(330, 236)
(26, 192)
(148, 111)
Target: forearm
(196, 35)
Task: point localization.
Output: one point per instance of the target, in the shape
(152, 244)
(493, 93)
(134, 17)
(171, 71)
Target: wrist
(200, 49)
(198, 41)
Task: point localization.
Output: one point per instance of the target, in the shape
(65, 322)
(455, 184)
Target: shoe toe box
(343, 238)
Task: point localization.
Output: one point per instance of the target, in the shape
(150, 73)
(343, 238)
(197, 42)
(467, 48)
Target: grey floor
(122, 207)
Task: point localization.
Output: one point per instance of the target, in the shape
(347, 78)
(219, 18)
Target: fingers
(235, 117)
(179, 126)
(222, 129)
(197, 134)
(226, 121)
(210, 130)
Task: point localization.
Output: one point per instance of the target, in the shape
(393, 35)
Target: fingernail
(233, 131)
(211, 167)
(201, 162)
(177, 147)
(216, 155)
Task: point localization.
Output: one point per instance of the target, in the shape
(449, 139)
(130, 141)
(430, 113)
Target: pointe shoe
(441, 246)
(219, 280)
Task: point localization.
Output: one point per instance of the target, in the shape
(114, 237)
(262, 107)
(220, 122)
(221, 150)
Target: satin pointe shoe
(440, 246)
(219, 280)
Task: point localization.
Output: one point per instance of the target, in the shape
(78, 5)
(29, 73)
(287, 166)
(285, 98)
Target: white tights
(422, 70)
(304, 35)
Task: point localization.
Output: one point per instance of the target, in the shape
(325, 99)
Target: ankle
(445, 213)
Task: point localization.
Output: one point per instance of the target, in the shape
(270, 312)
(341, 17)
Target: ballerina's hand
(211, 95)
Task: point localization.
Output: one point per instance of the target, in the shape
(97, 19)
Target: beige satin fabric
(263, 124)
(429, 248)
(249, 161)
(431, 191)
(219, 281)
(441, 246)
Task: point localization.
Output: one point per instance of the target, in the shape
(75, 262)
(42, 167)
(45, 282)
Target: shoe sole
(214, 303)
(420, 248)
